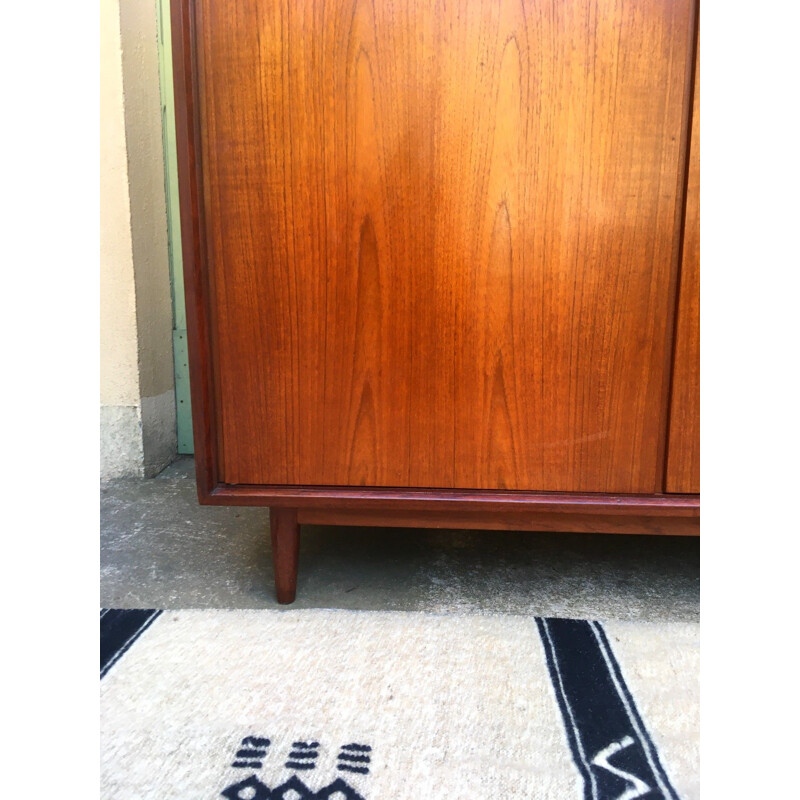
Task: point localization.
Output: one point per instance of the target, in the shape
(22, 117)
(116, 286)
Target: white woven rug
(281, 705)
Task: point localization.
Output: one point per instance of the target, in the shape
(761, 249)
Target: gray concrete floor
(161, 549)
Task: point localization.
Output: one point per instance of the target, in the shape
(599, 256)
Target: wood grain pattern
(440, 239)
(683, 449)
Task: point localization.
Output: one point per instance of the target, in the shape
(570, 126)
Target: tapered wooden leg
(285, 551)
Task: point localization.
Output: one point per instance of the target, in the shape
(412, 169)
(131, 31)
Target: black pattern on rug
(610, 745)
(303, 755)
(294, 789)
(119, 629)
(609, 742)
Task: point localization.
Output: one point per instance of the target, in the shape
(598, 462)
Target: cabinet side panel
(683, 448)
(199, 318)
(441, 238)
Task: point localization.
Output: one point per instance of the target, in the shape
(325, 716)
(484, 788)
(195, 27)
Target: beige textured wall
(119, 371)
(137, 395)
(139, 24)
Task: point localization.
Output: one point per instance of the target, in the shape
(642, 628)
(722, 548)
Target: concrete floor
(160, 549)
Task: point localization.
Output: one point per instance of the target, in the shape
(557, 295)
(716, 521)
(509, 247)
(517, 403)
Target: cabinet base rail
(665, 515)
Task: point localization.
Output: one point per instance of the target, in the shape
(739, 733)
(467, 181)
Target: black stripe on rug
(119, 629)
(610, 745)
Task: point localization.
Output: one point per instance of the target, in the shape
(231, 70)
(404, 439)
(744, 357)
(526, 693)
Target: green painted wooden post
(179, 350)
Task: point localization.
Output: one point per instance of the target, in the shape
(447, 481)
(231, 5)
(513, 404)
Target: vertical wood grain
(683, 447)
(441, 238)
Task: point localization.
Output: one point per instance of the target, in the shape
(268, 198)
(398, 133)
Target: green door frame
(183, 400)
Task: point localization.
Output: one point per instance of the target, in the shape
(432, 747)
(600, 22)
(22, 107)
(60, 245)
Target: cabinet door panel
(683, 453)
(441, 238)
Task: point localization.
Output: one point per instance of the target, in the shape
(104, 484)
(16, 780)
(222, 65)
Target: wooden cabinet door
(441, 238)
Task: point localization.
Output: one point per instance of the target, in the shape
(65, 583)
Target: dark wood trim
(508, 521)
(680, 219)
(193, 240)
(380, 499)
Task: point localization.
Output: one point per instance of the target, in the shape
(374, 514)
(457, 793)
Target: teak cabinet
(442, 262)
